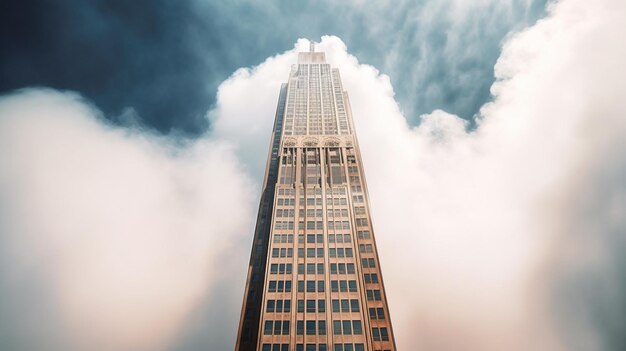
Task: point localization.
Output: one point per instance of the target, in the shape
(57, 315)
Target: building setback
(314, 281)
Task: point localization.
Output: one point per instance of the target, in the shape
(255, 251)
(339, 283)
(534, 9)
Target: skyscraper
(314, 281)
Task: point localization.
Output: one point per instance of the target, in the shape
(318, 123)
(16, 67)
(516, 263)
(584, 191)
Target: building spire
(311, 46)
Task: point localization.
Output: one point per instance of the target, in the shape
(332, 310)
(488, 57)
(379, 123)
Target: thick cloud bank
(109, 236)
(512, 234)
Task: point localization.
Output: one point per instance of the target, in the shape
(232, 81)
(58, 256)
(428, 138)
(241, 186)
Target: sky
(492, 135)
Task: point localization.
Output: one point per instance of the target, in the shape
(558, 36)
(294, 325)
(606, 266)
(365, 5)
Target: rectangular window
(321, 305)
(335, 304)
(310, 305)
(321, 327)
(346, 327)
(300, 327)
(310, 328)
(267, 330)
(357, 327)
(354, 305)
(320, 268)
(384, 335)
(300, 305)
(336, 328)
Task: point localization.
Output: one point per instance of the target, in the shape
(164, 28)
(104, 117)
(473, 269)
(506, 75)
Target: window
(350, 268)
(366, 248)
(300, 327)
(384, 335)
(377, 313)
(371, 278)
(352, 285)
(380, 334)
(363, 234)
(368, 263)
(310, 328)
(321, 305)
(354, 305)
(361, 222)
(335, 304)
(336, 327)
(373, 295)
(310, 305)
(300, 305)
(321, 327)
(310, 286)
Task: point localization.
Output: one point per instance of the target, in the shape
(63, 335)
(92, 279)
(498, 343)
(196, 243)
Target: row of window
(286, 191)
(314, 347)
(279, 286)
(339, 238)
(373, 295)
(312, 306)
(349, 347)
(340, 252)
(366, 248)
(288, 201)
(353, 327)
(380, 334)
(283, 238)
(338, 225)
(278, 306)
(282, 268)
(370, 278)
(285, 213)
(311, 268)
(342, 268)
(311, 286)
(343, 286)
(319, 238)
(276, 328)
(282, 252)
(377, 313)
(368, 263)
(345, 305)
(312, 327)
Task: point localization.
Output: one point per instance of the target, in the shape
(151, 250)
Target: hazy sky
(493, 137)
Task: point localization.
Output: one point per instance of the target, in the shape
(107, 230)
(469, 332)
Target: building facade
(314, 281)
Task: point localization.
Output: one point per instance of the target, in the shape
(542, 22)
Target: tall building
(314, 280)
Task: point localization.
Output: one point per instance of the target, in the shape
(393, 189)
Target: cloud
(110, 236)
(506, 237)
(166, 58)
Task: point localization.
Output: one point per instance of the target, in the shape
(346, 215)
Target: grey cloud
(165, 59)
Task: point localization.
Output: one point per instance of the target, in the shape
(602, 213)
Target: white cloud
(502, 229)
(124, 230)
